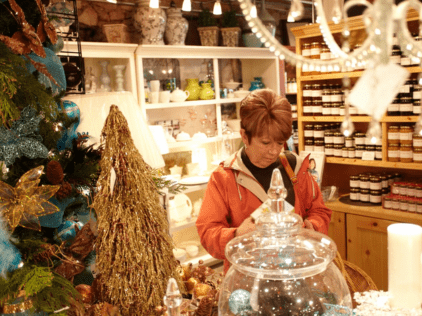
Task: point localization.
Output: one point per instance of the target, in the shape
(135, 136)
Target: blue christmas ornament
(72, 111)
(58, 46)
(239, 301)
(54, 220)
(67, 230)
(10, 257)
(54, 66)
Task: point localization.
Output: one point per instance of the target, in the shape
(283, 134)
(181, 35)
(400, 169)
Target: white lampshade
(160, 138)
(187, 5)
(217, 8)
(154, 4)
(94, 110)
(254, 12)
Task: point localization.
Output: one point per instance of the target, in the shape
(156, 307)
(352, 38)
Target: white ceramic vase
(176, 27)
(150, 23)
(119, 77)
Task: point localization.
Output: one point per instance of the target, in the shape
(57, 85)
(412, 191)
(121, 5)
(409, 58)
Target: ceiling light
(217, 8)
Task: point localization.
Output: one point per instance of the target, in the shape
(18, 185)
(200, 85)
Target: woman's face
(262, 150)
(312, 164)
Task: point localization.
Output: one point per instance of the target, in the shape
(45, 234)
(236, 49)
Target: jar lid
(364, 191)
(406, 145)
(306, 44)
(316, 43)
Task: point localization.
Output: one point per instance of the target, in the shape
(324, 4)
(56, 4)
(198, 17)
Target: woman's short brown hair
(263, 111)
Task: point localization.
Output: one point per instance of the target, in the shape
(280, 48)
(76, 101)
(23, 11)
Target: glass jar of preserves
(395, 204)
(417, 140)
(326, 108)
(328, 137)
(393, 108)
(375, 183)
(325, 52)
(359, 151)
(309, 145)
(306, 50)
(349, 142)
(385, 191)
(395, 188)
(345, 152)
(375, 196)
(406, 89)
(403, 205)
(364, 195)
(419, 192)
(417, 107)
(411, 206)
(395, 52)
(354, 181)
(319, 132)
(416, 92)
(338, 138)
(419, 207)
(335, 108)
(406, 106)
(393, 152)
(336, 93)
(319, 145)
(307, 108)
(406, 153)
(384, 181)
(329, 150)
(378, 152)
(337, 150)
(354, 194)
(315, 50)
(370, 149)
(316, 92)
(317, 107)
(364, 182)
(387, 203)
(393, 134)
(360, 138)
(308, 132)
(342, 109)
(307, 92)
(417, 154)
(411, 190)
(402, 187)
(390, 178)
(352, 152)
(326, 93)
(406, 134)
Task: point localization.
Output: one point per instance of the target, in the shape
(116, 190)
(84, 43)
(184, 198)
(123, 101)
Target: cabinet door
(367, 243)
(337, 231)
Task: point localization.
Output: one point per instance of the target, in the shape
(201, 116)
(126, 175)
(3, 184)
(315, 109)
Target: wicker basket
(357, 279)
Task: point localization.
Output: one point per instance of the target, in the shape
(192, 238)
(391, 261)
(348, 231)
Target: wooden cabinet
(337, 232)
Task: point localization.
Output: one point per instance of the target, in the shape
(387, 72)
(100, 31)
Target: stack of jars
(407, 101)
(404, 196)
(403, 144)
(371, 188)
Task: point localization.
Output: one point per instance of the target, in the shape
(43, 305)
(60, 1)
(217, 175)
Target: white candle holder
(119, 69)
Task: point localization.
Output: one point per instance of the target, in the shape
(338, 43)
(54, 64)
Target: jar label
(315, 51)
(393, 153)
(338, 140)
(411, 192)
(345, 153)
(336, 97)
(406, 154)
(337, 152)
(419, 193)
(405, 88)
(406, 136)
(358, 153)
(335, 111)
(328, 139)
(309, 148)
(419, 208)
(326, 98)
(393, 107)
(306, 52)
(385, 183)
(395, 205)
(364, 184)
(319, 149)
(325, 56)
(395, 59)
(417, 95)
(417, 157)
(307, 93)
(393, 136)
(403, 206)
(375, 186)
(411, 207)
(326, 111)
(406, 107)
(319, 134)
(417, 109)
(308, 133)
(316, 93)
(395, 189)
(329, 151)
(317, 109)
(364, 197)
(378, 154)
(349, 142)
(352, 154)
(375, 199)
(360, 141)
(402, 191)
(387, 204)
(354, 183)
(307, 109)
(354, 196)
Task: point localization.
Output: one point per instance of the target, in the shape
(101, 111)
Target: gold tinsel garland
(134, 250)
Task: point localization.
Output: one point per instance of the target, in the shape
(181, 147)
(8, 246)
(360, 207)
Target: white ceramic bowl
(231, 84)
(182, 136)
(179, 254)
(241, 93)
(192, 251)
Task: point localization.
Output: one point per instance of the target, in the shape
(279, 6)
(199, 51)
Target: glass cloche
(282, 268)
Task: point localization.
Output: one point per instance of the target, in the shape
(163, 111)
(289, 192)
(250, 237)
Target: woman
(312, 170)
(240, 184)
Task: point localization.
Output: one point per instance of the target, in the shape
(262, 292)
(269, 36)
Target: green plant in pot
(208, 29)
(230, 30)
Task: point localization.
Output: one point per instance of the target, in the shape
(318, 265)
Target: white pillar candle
(404, 265)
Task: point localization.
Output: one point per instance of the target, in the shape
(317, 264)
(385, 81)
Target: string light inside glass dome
(382, 20)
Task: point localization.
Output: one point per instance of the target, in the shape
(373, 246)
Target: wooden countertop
(375, 211)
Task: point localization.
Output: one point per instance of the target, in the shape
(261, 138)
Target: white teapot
(179, 95)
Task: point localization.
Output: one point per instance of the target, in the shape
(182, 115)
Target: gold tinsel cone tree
(134, 250)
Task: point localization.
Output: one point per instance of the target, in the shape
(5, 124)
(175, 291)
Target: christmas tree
(135, 254)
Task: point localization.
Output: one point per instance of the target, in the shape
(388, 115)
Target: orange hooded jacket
(233, 194)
